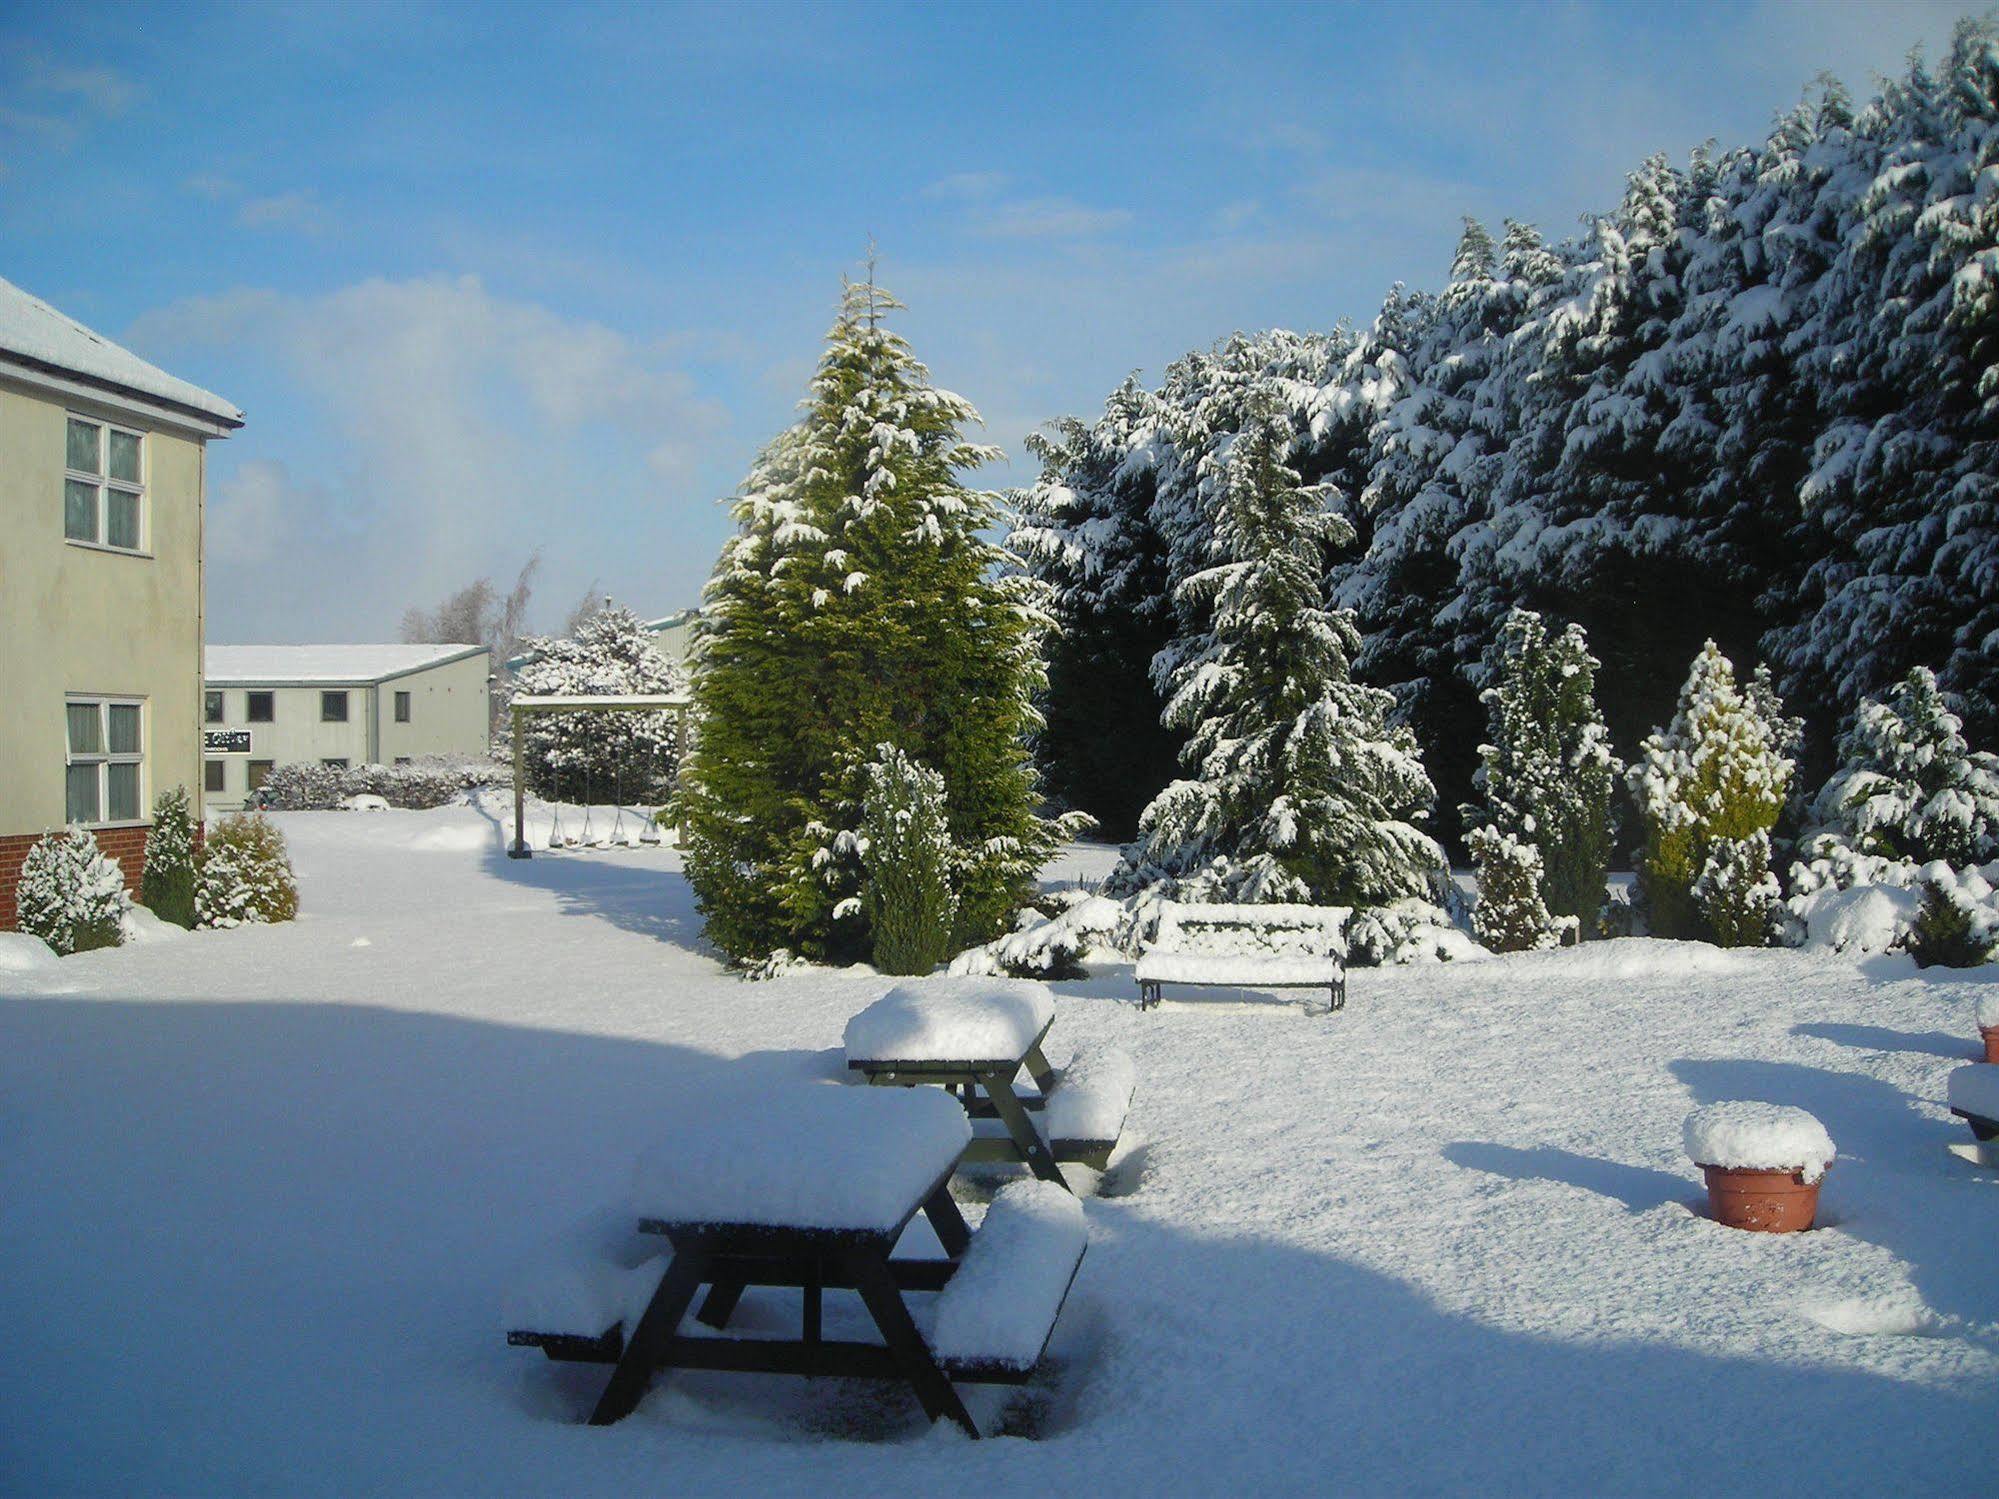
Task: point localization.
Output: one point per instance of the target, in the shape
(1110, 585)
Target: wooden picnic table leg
(946, 1221)
(657, 1327)
(884, 1302)
(1039, 1070)
(720, 1303)
(1026, 1138)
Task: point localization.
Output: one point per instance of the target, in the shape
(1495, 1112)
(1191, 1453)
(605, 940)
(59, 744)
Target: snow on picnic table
(264, 1191)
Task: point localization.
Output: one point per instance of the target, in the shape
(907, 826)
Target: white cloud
(967, 186)
(449, 431)
(301, 212)
(1048, 218)
(101, 90)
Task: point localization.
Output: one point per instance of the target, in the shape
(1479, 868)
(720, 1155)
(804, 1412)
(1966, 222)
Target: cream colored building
(102, 472)
(345, 705)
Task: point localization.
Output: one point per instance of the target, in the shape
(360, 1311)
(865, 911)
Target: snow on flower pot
(1988, 1024)
(1763, 1163)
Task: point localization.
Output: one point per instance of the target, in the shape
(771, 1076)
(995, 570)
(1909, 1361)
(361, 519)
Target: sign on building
(226, 741)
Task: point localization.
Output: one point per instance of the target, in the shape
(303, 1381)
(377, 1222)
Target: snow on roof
(324, 663)
(32, 329)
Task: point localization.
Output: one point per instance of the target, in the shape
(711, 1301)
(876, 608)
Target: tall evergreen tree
(859, 604)
(1548, 771)
(1299, 787)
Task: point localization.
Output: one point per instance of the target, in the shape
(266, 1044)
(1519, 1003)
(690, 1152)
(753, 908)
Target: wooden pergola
(530, 703)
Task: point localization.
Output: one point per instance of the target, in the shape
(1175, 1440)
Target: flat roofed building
(345, 705)
(103, 464)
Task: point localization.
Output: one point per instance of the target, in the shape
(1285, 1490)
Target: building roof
(35, 334)
(335, 665)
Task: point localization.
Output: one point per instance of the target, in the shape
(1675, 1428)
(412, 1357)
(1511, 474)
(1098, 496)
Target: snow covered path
(261, 1193)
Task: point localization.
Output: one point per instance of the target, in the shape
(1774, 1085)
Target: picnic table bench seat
(1246, 947)
(991, 1322)
(1973, 1094)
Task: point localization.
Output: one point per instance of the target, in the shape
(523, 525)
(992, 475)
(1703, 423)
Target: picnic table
(975, 1037)
(811, 1188)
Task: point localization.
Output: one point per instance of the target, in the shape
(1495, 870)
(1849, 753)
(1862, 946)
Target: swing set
(527, 705)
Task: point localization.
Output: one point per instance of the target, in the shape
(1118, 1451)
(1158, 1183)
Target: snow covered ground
(262, 1194)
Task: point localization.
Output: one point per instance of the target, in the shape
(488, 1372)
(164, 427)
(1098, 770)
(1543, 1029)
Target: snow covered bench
(1973, 1091)
(975, 1036)
(1247, 947)
(811, 1189)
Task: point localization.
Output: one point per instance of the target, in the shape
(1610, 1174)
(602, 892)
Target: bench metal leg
(898, 1329)
(650, 1338)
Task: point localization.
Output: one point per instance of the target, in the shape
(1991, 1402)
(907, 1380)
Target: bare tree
(587, 608)
(477, 614)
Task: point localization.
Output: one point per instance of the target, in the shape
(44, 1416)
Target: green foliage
(906, 851)
(860, 604)
(70, 895)
(1716, 773)
(1548, 771)
(245, 874)
(168, 883)
(1909, 785)
(1509, 915)
(1736, 893)
(1948, 932)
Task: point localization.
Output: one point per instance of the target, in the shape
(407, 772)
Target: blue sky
(502, 278)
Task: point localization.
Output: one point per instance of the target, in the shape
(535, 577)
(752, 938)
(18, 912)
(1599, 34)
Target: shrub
(167, 886)
(70, 895)
(245, 874)
(906, 851)
(1509, 915)
(1736, 893)
(417, 786)
(1951, 931)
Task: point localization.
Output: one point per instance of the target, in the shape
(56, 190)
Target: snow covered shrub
(1051, 944)
(1509, 915)
(906, 851)
(245, 874)
(70, 895)
(1299, 787)
(1737, 894)
(1548, 772)
(304, 786)
(167, 886)
(1952, 929)
(598, 756)
(1716, 773)
(1409, 930)
(1909, 785)
(417, 786)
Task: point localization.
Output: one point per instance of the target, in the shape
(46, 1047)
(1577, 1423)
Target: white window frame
(104, 758)
(105, 484)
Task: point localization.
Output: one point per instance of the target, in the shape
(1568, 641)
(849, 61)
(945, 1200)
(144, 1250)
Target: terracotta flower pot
(1767, 1202)
(1991, 1035)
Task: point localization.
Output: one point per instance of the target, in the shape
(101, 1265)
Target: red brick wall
(126, 845)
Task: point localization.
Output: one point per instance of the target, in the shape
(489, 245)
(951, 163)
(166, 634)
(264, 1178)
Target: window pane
(125, 456)
(260, 708)
(402, 707)
(333, 707)
(124, 728)
(79, 510)
(124, 793)
(83, 446)
(121, 519)
(214, 775)
(258, 770)
(211, 707)
(81, 787)
(86, 730)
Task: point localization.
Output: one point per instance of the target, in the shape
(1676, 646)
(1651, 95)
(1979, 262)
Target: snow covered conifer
(1736, 892)
(1715, 773)
(1299, 787)
(245, 874)
(1509, 915)
(70, 895)
(1909, 786)
(595, 756)
(167, 885)
(1952, 931)
(906, 850)
(860, 604)
(1548, 770)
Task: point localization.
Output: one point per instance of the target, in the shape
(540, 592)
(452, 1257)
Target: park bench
(975, 1037)
(1973, 1095)
(1246, 947)
(811, 1189)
